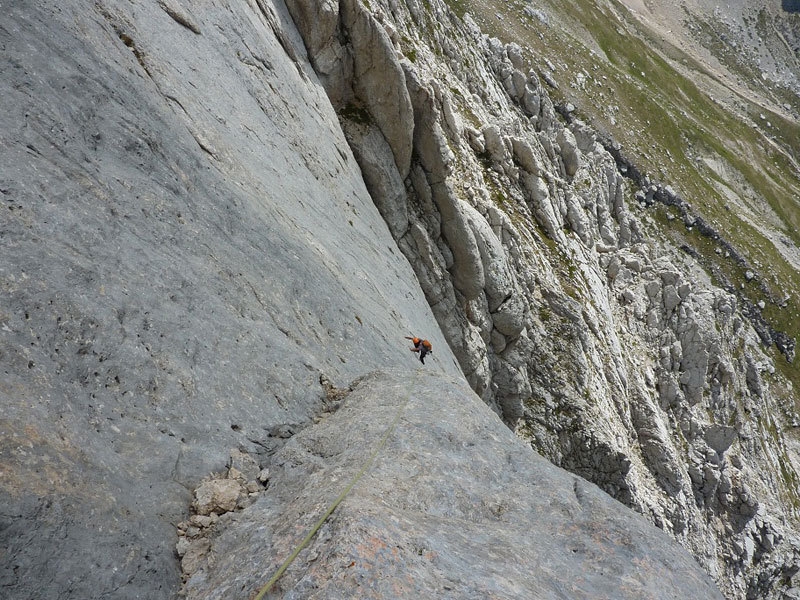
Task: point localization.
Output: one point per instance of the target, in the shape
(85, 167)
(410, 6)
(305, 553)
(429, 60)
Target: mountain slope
(202, 250)
(439, 515)
(636, 335)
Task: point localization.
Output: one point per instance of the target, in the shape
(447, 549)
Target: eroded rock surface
(598, 340)
(439, 515)
(187, 244)
(194, 259)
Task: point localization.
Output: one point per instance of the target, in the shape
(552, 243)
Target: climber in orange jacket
(422, 346)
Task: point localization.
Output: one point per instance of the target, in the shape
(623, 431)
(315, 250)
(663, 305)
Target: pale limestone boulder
(499, 342)
(383, 180)
(475, 140)
(318, 23)
(468, 273)
(514, 53)
(570, 154)
(537, 193)
(378, 81)
(577, 218)
(720, 437)
(525, 157)
(504, 296)
(498, 280)
(496, 147)
(429, 141)
(585, 136)
(532, 97)
(216, 495)
(244, 464)
(453, 124)
(671, 298)
(509, 317)
(195, 555)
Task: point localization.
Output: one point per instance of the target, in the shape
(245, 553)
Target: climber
(422, 346)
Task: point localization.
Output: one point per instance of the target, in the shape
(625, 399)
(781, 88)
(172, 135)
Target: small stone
(182, 546)
(244, 464)
(200, 521)
(628, 296)
(216, 495)
(194, 555)
(671, 298)
(192, 532)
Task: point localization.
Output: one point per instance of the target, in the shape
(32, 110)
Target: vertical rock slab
(187, 245)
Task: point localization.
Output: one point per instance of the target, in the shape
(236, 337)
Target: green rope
(335, 503)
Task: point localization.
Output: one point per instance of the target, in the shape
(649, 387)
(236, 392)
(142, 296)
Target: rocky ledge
(454, 506)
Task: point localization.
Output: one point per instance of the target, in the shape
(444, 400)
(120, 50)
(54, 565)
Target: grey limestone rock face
(438, 515)
(193, 258)
(187, 244)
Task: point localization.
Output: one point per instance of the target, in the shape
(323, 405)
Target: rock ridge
(603, 344)
(420, 523)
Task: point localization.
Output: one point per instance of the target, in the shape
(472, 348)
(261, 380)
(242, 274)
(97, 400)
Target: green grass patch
(356, 112)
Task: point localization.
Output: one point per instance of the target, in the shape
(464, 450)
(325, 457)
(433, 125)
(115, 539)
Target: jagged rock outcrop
(618, 358)
(427, 519)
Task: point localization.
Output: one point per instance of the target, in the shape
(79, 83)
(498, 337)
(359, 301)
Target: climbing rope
(267, 586)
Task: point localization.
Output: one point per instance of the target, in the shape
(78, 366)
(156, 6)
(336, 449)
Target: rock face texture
(606, 347)
(437, 516)
(214, 216)
(187, 245)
